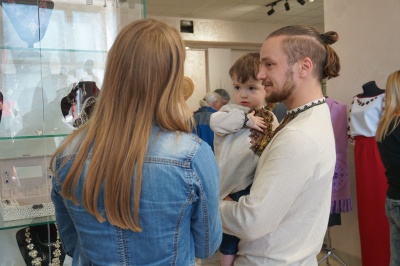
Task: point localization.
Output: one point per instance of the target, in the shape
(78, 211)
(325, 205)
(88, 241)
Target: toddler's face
(250, 94)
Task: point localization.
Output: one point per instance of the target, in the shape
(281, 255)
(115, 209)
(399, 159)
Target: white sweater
(236, 162)
(284, 218)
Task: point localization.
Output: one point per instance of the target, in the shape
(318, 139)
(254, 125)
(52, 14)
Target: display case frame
(46, 48)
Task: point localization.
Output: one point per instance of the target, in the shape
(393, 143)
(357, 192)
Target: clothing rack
(330, 251)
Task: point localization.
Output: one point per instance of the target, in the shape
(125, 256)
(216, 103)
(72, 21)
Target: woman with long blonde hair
(388, 138)
(132, 186)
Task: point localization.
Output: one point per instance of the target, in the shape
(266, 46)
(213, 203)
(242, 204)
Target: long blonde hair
(391, 112)
(143, 86)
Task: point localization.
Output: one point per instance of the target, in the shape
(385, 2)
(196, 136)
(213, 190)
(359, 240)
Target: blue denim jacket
(178, 213)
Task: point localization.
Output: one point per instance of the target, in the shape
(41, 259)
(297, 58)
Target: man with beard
(284, 218)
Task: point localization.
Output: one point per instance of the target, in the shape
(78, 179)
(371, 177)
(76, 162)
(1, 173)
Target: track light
(270, 12)
(287, 7)
(301, 2)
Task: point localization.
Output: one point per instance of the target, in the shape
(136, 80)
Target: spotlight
(270, 12)
(287, 7)
(301, 2)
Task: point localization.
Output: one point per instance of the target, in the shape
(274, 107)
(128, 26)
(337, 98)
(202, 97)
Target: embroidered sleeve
(259, 140)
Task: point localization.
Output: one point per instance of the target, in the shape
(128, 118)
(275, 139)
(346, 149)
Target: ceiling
(310, 14)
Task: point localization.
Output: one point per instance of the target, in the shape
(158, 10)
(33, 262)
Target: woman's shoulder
(178, 145)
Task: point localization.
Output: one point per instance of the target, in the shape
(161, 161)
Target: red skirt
(371, 185)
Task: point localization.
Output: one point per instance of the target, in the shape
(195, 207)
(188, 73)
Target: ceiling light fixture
(287, 7)
(271, 11)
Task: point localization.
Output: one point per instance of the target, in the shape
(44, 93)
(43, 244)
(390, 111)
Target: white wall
(368, 47)
(224, 31)
(218, 60)
(219, 63)
(195, 69)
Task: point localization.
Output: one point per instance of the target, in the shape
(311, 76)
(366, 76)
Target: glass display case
(47, 48)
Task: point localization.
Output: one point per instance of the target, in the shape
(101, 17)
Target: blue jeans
(229, 244)
(393, 215)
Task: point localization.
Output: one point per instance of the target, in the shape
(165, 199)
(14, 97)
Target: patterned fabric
(259, 140)
(30, 18)
(341, 199)
(364, 116)
(290, 115)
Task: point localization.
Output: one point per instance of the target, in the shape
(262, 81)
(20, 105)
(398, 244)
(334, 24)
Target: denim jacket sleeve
(206, 219)
(66, 228)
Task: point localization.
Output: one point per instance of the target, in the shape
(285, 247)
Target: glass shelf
(26, 222)
(50, 50)
(40, 66)
(34, 137)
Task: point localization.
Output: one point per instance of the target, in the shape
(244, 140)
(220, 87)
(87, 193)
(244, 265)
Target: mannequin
(370, 89)
(364, 115)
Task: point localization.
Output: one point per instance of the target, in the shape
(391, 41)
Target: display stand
(330, 251)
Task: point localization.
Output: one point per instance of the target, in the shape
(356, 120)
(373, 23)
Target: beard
(287, 90)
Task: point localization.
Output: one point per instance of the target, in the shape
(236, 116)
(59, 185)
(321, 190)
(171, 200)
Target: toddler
(242, 131)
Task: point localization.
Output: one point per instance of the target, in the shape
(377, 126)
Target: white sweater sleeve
(229, 119)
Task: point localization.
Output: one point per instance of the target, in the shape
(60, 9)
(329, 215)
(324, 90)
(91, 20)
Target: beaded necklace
(361, 103)
(292, 114)
(33, 253)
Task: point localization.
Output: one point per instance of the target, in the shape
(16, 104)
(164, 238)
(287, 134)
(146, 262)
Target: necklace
(292, 114)
(361, 103)
(33, 252)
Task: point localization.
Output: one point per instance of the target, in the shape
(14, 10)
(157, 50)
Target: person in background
(210, 103)
(388, 138)
(133, 186)
(284, 218)
(224, 94)
(242, 131)
(279, 111)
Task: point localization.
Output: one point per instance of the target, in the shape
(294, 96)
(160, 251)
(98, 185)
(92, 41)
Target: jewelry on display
(33, 252)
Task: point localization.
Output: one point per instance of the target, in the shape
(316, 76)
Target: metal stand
(330, 251)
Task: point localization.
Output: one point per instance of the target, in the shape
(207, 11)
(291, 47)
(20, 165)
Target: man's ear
(306, 67)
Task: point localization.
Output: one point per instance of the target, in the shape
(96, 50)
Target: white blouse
(364, 115)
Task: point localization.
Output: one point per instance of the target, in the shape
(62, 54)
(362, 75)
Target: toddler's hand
(228, 198)
(255, 122)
